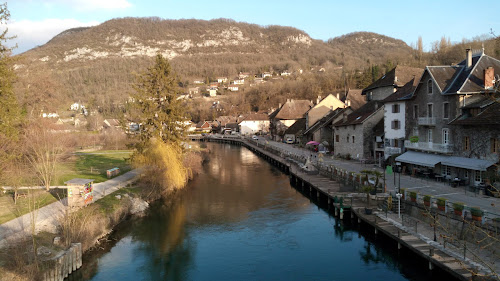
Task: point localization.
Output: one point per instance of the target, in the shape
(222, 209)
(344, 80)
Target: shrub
(427, 198)
(458, 206)
(476, 211)
(441, 201)
(413, 194)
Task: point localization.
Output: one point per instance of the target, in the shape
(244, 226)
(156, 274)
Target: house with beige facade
(286, 115)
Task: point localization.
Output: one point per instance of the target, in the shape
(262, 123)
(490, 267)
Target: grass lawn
(9, 210)
(93, 165)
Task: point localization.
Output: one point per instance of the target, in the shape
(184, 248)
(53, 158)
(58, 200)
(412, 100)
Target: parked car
(289, 141)
(255, 137)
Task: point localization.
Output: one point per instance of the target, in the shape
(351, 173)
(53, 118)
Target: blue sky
(37, 21)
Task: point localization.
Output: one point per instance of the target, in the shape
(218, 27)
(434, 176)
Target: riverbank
(57, 229)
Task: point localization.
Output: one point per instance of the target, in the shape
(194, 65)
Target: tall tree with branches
(156, 107)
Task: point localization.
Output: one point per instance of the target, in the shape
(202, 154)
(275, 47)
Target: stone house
(354, 133)
(390, 82)
(286, 114)
(443, 94)
(322, 131)
(295, 131)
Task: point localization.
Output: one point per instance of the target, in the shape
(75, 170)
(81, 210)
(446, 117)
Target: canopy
(467, 163)
(419, 158)
(313, 143)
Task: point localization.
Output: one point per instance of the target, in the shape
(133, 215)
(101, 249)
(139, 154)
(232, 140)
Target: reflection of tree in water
(163, 235)
(376, 255)
(344, 233)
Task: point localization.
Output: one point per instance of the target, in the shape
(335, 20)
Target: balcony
(429, 146)
(392, 150)
(427, 121)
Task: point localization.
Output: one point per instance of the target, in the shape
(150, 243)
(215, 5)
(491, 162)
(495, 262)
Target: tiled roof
(403, 92)
(489, 116)
(356, 98)
(294, 109)
(255, 117)
(297, 128)
(397, 77)
(324, 120)
(360, 115)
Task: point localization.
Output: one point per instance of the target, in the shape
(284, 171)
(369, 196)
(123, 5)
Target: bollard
(431, 252)
(399, 246)
(431, 265)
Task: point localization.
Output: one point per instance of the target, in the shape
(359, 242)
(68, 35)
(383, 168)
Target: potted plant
(477, 214)
(441, 203)
(458, 208)
(427, 200)
(413, 196)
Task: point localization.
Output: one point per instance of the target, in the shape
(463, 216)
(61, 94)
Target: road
(490, 205)
(47, 218)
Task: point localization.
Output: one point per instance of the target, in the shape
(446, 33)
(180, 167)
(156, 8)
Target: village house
(212, 92)
(243, 75)
(222, 122)
(355, 132)
(286, 73)
(286, 115)
(390, 82)
(204, 126)
(239, 81)
(214, 85)
(353, 98)
(199, 81)
(194, 91)
(266, 74)
(322, 108)
(254, 123)
(395, 119)
(443, 121)
(233, 88)
(221, 79)
(111, 123)
(295, 132)
(322, 131)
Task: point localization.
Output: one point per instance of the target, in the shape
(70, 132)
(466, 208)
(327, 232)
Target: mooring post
(431, 265)
(399, 245)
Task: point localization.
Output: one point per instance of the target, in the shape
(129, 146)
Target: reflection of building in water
(235, 185)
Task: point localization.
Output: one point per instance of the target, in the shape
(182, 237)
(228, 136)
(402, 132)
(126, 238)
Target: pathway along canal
(242, 220)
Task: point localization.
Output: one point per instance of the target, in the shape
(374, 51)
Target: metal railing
(427, 121)
(429, 146)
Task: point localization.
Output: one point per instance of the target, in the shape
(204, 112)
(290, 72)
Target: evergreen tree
(10, 113)
(156, 107)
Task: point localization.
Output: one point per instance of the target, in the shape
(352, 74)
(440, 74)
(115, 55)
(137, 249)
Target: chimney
(338, 96)
(279, 106)
(349, 103)
(468, 58)
(489, 77)
(318, 99)
(287, 100)
(376, 106)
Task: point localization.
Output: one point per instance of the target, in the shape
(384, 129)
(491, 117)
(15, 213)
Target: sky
(35, 22)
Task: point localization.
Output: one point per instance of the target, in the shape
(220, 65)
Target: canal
(240, 219)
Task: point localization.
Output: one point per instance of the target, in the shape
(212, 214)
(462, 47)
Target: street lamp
(399, 195)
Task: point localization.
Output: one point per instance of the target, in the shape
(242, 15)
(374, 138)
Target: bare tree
(44, 150)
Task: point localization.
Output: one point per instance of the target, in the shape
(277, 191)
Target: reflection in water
(241, 220)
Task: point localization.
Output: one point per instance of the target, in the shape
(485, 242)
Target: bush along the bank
(441, 203)
(458, 207)
(476, 213)
(427, 200)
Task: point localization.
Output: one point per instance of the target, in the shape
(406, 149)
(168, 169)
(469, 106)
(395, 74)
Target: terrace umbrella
(312, 143)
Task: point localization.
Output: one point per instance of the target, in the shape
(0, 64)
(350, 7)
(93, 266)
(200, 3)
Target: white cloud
(32, 33)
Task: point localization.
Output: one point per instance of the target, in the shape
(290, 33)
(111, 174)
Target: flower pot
(413, 199)
(441, 208)
(457, 212)
(476, 218)
(427, 203)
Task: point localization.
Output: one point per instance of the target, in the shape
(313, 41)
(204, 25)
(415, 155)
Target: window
(446, 136)
(352, 139)
(446, 110)
(396, 124)
(396, 143)
(337, 138)
(466, 143)
(429, 86)
(415, 111)
(494, 145)
(369, 96)
(477, 176)
(395, 108)
(429, 135)
(429, 110)
(347, 138)
(466, 174)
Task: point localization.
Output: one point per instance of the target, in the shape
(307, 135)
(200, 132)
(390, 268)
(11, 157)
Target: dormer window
(429, 86)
